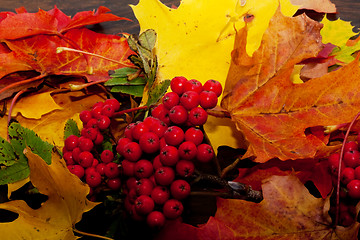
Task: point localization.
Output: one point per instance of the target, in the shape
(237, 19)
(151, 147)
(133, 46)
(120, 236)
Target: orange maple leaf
(273, 112)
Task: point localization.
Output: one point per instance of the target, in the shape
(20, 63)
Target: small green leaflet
(136, 90)
(71, 128)
(157, 92)
(20, 138)
(7, 154)
(124, 81)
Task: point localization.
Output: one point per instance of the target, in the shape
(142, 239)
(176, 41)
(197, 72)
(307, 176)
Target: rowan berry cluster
(159, 153)
(80, 153)
(349, 179)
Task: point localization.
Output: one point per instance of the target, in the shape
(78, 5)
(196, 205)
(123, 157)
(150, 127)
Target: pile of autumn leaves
(271, 111)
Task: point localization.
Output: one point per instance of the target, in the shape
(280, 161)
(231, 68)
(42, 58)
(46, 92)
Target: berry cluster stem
(118, 114)
(242, 191)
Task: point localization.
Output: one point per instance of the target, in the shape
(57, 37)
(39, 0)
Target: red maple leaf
(30, 42)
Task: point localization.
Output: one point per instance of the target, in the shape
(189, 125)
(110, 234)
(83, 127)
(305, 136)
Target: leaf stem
(118, 114)
(339, 170)
(13, 101)
(61, 49)
(230, 167)
(22, 82)
(91, 234)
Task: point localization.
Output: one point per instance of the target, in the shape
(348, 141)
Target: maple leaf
(57, 216)
(50, 126)
(195, 40)
(35, 38)
(271, 111)
(288, 211)
(314, 170)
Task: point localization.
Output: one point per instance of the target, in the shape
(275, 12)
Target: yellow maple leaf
(43, 101)
(339, 32)
(57, 216)
(50, 127)
(196, 39)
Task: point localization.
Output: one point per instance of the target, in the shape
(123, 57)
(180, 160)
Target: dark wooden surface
(348, 10)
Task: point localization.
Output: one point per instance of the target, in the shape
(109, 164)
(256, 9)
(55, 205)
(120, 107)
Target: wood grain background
(347, 10)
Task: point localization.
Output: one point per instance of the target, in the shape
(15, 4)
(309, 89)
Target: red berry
(157, 163)
(114, 183)
(155, 219)
(174, 135)
(85, 116)
(214, 86)
(352, 158)
(68, 157)
(170, 100)
(150, 121)
(99, 138)
(100, 168)
(77, 170)
(190, 100)
(93, 179)
(164, 176)
(107, 156)
(149, 142)
(128, 168)
(193, 85)
(172, 208)
(120, 147)
(178, 115)
(75, 154)
(180, 189)
(90, 133)
(162, 113)
(86, 159)
(144, 187)
(187, 150)
(177, 84)
(128, 131)
(160, 194)
(351, 146)
(113, 102)
(96, 110)
(108, 110)
(144, 205)
(85, 144)
(159, 128)
(139, 129)
(205, 153)
(103, 122)
(185, 168)
(347, 175)
(346, 219)
(208, 99)
(92, 123)
(112, 170)
(357, 173)
(197, 116)
(143, 168)
(354, 189)
(333, 160)
(194, 135)
(132, 151)
(71, 142)
(131, 183)
(163, 143)
(169, 156)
